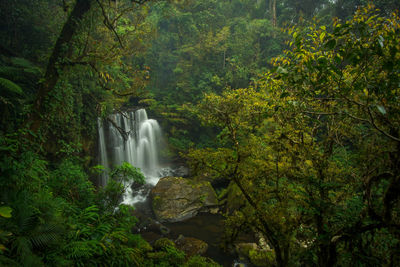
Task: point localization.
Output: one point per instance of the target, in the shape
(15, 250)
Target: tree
(77, 45)
(350, 77)
(314, 146)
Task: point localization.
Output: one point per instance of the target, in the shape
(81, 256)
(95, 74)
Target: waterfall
(103, 152)
(133, 138)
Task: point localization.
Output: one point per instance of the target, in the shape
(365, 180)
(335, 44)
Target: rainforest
(199, 133)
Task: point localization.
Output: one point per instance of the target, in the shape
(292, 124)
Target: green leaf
(5, 211)
(381, 109)
(380, 40)
(322, 36)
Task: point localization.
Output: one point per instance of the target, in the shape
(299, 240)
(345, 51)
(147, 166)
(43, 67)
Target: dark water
(206, 227)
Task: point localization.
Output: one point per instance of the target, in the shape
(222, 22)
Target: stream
(205, 226)
(134, 138)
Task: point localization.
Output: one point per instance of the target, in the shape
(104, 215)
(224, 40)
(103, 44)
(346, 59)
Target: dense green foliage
(204, 46)
(55, 80)
(313, 146)
(303, 123)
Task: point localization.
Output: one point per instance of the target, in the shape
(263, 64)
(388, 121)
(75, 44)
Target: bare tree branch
(108, 24)
(120, 130)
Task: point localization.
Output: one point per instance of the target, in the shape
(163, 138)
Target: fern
(5, 261)
(10, 87)
(81, 249)
(24, 64)
(11, 73)
(103, 229)
(22, 246)
(134, 255)
(44, 236)
(90, 214)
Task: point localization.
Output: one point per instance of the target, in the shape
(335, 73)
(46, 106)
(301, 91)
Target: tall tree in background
(60, 53)
(114, 25)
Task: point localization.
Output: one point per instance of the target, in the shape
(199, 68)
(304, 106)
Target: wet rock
(176, 199)
(135, 186)
(147, 224)
(182, 171)
(214, 210)
(191, 246)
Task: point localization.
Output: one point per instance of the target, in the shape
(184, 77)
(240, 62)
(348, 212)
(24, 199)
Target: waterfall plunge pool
(140, 147)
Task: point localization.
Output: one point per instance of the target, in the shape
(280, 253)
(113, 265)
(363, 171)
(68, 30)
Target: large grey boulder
(176, 199)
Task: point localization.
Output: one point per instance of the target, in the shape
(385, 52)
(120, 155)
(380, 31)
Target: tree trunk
(281, 256)
(60, 53)
(274, 13)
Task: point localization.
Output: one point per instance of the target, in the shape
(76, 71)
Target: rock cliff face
(176, 199)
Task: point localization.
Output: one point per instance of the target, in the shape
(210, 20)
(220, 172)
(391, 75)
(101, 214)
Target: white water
(102, 148)
(140, 148)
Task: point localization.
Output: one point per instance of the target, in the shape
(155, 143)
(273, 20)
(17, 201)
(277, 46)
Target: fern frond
(5, 261)
(28, 222)
(11, 73)
(103, 229)
(22, 246)
(10, 87)
(134, 255)
(90, 214)
(22, 63)
(32, 260)
(81, 249)
(119, 235)
(46, 235)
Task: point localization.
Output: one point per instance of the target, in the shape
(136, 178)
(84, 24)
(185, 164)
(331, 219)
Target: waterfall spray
(138, 144)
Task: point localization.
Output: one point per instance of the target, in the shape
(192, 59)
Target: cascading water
(131, 137)
(103, 152)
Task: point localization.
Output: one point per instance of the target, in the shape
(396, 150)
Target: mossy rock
(157, 202)
(144, 245)
(162, 243)
(157, 255)
(191, 246)
(176, 199)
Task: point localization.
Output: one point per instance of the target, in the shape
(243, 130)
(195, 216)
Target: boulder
(191, 246)
(176, 199)
(182, 171)
(162, 243)
(148, 224)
